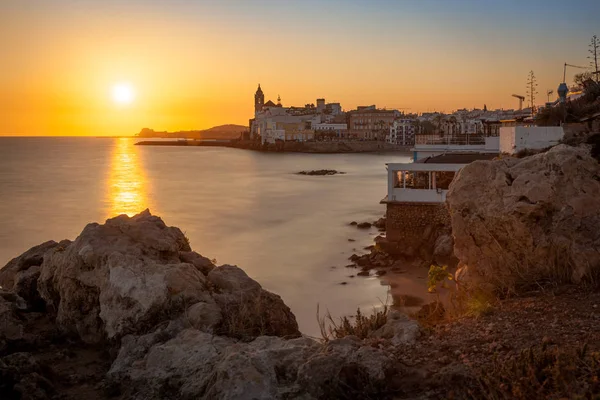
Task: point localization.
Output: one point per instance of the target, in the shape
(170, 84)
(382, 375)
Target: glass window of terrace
(424, 179)
(412, 179)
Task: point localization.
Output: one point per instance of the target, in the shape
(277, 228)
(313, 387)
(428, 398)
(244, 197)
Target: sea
(289, 232)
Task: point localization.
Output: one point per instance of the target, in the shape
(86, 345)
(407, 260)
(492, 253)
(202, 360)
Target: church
(274, 122)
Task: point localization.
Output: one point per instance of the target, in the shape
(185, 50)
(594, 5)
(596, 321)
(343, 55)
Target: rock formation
(519, 221)
(161, 321)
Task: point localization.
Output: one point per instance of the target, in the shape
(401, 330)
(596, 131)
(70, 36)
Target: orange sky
(196, 64)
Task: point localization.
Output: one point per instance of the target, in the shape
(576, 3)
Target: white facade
(339, 129)
(402, 132)
(516, 138)
(431, 189)
(334, 108)
(266, 123)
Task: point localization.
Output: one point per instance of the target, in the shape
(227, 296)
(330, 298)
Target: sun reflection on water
(127, 192)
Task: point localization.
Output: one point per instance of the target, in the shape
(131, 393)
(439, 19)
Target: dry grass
(244, 320)
(359, 325)
(542, 373)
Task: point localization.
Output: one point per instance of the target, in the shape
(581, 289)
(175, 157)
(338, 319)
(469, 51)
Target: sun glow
(127, 183)
(123, 93)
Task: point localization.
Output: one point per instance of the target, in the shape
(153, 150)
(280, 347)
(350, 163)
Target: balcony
(419, 182)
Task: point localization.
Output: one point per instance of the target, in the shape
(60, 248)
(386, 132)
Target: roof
(458, 158)
(269, 104)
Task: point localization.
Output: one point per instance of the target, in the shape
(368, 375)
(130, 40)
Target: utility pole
(594, 47)
(531, 90)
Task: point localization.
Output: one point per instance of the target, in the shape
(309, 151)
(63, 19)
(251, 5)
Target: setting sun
(123, 93)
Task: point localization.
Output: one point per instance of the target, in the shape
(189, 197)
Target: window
(443, 179)
(416, 179)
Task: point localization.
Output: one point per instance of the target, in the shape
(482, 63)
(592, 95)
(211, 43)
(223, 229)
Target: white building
(419, 182)
(402, 132)
(340, 130)
(273, 122)
(428, 148)
(516, 138)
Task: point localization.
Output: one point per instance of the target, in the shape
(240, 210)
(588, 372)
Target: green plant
(437, 275)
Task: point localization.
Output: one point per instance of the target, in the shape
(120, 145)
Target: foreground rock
(519, 221)
(321, 172)
(128, 310)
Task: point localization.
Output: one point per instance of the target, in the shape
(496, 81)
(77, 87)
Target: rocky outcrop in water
(321, 172)
(128, 310)
(518, 221)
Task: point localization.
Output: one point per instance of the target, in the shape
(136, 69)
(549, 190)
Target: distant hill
(229, 131)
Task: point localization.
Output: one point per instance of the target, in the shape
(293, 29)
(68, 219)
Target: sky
(193, 64)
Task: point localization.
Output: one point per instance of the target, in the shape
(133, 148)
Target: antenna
(594, 46)
(565, 71)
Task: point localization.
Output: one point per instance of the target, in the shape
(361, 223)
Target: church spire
(259, 99)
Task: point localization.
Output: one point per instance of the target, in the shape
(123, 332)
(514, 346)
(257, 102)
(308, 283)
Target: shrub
(437, 275)
(359, 325)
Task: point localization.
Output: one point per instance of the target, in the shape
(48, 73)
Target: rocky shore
(128, 310)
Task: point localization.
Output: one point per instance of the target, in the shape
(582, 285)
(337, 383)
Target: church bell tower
(259, 100)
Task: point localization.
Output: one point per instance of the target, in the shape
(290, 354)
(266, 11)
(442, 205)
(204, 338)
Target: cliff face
(520, 221)
(175, 325)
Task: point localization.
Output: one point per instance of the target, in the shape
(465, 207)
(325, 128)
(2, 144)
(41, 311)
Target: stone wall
(412, 229)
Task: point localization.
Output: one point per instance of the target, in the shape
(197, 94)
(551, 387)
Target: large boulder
(130, 274)
(195, 364)
(32, 257)
(518, 221)
(248, 310)
(12, 328)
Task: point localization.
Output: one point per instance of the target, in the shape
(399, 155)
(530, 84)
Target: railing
(454, 140)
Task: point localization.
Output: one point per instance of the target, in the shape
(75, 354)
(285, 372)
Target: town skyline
(194, 66)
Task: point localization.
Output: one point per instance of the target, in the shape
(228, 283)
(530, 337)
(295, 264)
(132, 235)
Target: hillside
(229, 131)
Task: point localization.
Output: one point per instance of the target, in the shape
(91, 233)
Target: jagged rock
(399, 329)
(195, 364)
(250, 311)
(134, 285)
(364, 225)
(22, 379)
(204, 316)
(345, 368)
(201, 263)
(516, 221)
(126, 276)
(320, 172)
(11, 327)
(25, 285)
(444, 246)
(32, 257)
(380, 224)
(117, 278)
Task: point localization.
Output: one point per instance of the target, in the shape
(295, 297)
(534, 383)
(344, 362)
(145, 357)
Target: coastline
(287, 147)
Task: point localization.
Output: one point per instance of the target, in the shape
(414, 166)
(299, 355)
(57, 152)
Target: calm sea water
(287, 231)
